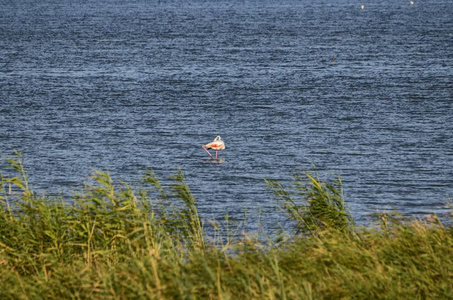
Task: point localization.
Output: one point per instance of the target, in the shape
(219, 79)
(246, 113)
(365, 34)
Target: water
(128, 85)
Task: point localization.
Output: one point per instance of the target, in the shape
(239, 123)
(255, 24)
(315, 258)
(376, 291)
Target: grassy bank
(112, 242)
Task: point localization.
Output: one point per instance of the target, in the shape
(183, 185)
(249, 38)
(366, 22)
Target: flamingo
(217, 145)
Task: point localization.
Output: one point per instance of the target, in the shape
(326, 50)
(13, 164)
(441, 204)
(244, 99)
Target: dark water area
(124, 86)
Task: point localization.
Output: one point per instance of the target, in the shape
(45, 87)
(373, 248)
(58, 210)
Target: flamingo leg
(216, 154)
(206, 151)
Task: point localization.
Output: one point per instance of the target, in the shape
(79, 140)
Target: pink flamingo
(217, 145)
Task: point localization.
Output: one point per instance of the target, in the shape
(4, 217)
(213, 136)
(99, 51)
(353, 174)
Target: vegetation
(110, 242)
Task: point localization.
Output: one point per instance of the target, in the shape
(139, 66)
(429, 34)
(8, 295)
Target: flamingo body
(216, 145)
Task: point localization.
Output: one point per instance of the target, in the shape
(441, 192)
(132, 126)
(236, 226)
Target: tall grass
(314, 205)
(112, 242)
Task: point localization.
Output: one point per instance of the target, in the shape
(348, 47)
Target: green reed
(314, 205)
(112, 242)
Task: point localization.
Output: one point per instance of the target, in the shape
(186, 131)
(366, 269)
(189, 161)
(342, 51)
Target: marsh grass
(112, 242)
(314, 205)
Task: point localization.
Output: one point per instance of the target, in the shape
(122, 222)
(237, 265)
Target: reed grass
(112, 242)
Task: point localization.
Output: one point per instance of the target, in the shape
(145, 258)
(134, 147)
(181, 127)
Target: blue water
(124, 86)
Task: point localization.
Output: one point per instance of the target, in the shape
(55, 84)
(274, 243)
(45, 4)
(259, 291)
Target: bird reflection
(215, 160)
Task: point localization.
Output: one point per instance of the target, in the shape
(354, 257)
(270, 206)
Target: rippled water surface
(128, 85)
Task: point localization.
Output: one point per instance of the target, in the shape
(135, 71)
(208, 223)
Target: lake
(125, 86)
